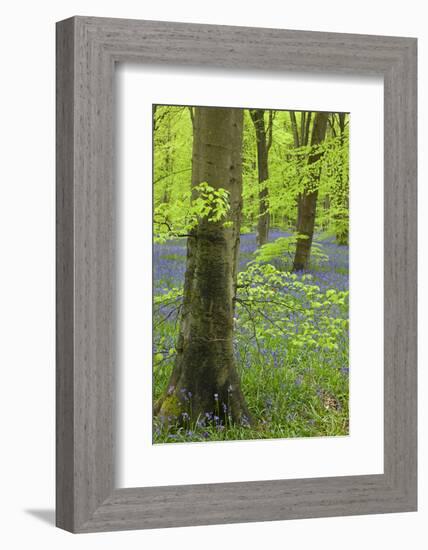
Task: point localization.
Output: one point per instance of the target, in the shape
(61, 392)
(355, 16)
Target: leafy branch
(180, 217)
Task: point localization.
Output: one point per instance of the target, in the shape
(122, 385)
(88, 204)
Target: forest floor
(290, 391)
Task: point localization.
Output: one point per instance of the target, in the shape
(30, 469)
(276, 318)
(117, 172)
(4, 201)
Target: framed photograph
(236, 274)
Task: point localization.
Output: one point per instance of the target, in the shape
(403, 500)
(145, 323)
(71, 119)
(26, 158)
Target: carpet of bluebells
(292, 388)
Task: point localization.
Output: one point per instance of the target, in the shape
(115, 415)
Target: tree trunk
(342, 236)
(257, 116)
(169, 167)
(300, 140)
(308, 200)
(205, 378)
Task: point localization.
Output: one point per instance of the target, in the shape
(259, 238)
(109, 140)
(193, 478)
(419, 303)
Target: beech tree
(307, 202)
(264, 142)
(340, 192)
(205, 368)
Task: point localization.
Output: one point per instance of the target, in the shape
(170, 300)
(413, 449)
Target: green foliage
(276, 304)
(281, 251)
(289, 173)
(177, 219)
(273, 303)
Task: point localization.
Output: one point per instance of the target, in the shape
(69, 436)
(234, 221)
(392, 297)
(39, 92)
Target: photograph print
(250, 274)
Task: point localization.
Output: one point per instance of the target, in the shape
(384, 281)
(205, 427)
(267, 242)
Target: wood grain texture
(87, 50)
(64, 276)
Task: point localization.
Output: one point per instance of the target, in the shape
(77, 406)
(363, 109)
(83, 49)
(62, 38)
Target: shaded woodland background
(251, 216)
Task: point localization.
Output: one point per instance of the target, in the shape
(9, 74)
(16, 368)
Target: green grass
(302, 395)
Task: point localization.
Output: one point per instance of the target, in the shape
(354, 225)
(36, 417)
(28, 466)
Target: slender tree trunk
(205, 378)
(257, 116)
(308, 200)
(307, 128)
(300, 140)
(342, 235)
(169, 162)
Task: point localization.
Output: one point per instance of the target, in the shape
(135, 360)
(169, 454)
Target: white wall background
(27, 273)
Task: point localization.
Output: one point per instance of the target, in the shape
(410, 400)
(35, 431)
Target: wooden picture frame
(87, 50)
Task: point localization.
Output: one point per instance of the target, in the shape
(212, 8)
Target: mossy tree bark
(264, 141)
(205, 377)
(307, 203)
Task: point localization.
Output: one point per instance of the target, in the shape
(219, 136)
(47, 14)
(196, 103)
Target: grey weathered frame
(87, 50)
